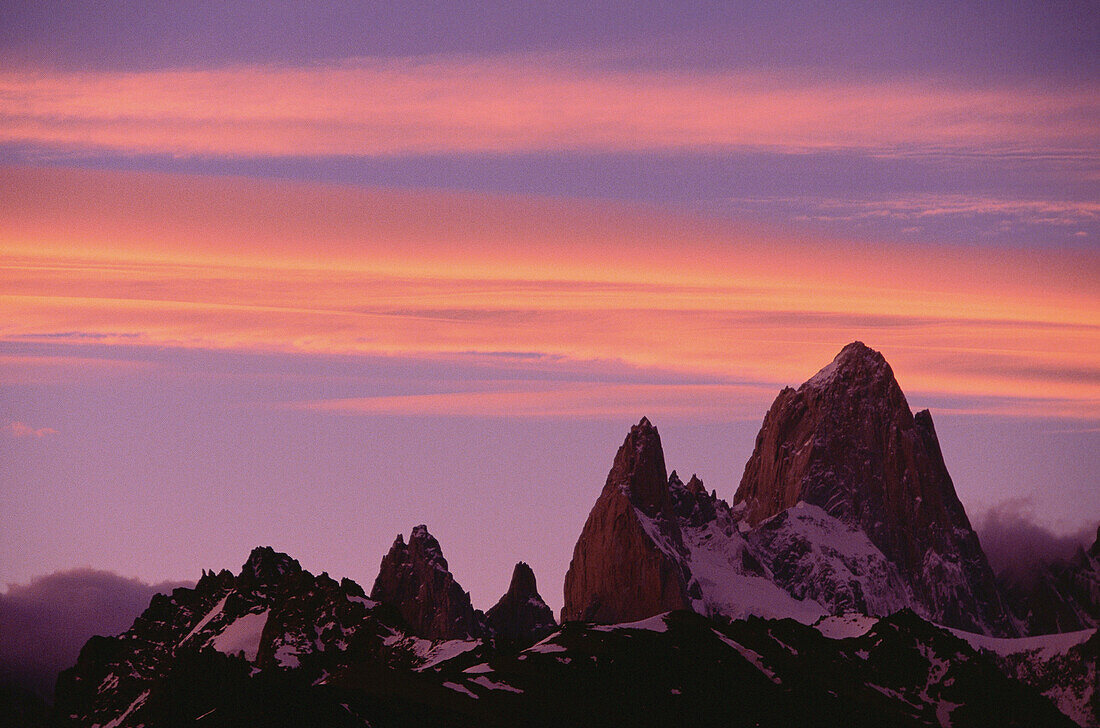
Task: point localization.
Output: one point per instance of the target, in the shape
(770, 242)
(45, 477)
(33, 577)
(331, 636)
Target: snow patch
(478, 669)
(242, 635)
(368, 603)
(750, 655)
(490, 685)
(653, 624)
(845, 626)
(206, 620)
(138, 702)
(287, 656)
(460, 689)
(109, 683)
(1044, 646)
(445, 651)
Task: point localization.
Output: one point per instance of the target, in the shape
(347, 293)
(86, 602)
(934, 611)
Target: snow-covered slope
(1062, 666)
(816, 556)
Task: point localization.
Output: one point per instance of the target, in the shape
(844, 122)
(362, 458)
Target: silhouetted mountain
(521, 615)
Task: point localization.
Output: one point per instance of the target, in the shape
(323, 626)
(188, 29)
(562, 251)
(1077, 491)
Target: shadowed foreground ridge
(327, 656)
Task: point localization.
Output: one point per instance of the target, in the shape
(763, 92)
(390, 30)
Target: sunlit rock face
(625, 564)
(847, 442)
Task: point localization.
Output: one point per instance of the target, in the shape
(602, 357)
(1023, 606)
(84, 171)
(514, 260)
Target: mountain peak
(521, 614)
(424, 545)
(617, 572)
(856, 361)
(847, 442)
(523, 581)
(265, 565)
(639, 469)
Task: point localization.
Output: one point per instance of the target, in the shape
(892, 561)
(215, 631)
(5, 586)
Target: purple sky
(148, 440)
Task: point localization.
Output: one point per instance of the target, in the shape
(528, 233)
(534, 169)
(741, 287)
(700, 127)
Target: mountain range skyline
(265, 268)
(846, 526)
(308, 277)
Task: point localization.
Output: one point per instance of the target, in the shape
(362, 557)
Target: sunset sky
(308, 275)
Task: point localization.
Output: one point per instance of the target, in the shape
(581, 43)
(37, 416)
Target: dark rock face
(847, 442)
(272, 616)
(1064, 598)
(617, 573)
(415, 579)
(521, 615)
(265, 565)
(690, 501)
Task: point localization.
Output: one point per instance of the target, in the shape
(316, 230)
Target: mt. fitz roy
(844, 586)
(845, 506)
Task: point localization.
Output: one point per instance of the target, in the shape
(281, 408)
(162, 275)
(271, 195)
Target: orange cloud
(20, 429)
(145, 259)
(524, 103)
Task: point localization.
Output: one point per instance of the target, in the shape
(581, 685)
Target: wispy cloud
(932, 206)
(122, 259)
(1020, 547)
(530, 102)
(15, 428)
(555, 400)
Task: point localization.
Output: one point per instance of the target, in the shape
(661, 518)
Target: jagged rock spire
(639, 470)
(415, 579)
(617, 573)
(266, 565)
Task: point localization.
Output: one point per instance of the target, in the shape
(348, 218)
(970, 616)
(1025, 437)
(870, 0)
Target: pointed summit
(415, 579)
(618, 574)
(521, 615)
(523, 581)
(846, 441)
(639, 469)
(856, 362)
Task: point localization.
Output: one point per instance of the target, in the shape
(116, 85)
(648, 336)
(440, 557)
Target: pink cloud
(21, 429)
(528, 102)
(112, 258)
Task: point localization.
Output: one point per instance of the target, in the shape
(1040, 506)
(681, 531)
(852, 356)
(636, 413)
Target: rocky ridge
(363, 670)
